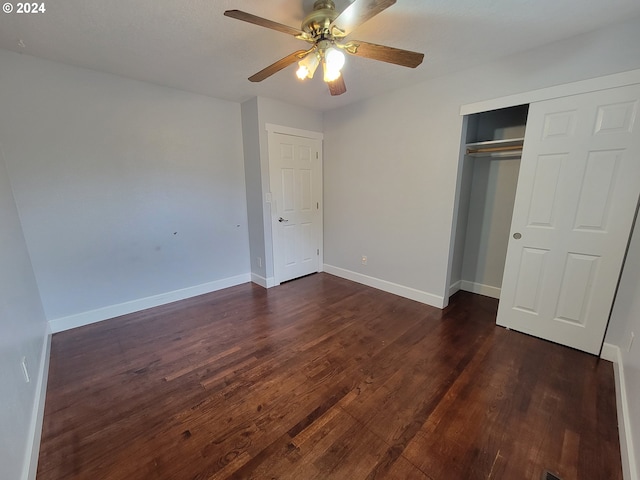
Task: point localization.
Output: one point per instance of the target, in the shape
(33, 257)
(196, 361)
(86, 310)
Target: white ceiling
(190, 45)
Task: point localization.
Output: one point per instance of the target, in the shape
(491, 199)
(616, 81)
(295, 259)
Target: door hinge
(317, 157)
(317, 205)
(318, 252)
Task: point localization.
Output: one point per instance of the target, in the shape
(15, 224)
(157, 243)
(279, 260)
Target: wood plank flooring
(322, 378)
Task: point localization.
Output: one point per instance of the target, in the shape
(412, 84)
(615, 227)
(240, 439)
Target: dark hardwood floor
(322, 378)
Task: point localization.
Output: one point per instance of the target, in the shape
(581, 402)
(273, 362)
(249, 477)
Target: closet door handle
(282, 220)
(517, 235)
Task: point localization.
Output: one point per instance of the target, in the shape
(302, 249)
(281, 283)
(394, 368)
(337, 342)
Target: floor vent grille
(547, 475)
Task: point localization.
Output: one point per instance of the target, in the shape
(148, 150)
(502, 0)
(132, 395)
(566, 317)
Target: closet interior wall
(486, 198)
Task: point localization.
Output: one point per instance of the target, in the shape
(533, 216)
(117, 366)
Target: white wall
(391, 163)
(126, 190)
(493, 192)
(23, 332)
(462, 219)
(625, 319)
(253, 180)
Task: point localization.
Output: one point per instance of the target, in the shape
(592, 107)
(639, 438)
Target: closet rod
(512, 148)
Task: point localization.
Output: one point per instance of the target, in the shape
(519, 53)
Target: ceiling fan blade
(359, 12)
(383, 53)
(263, 22)
(279, 65)
(337, 87)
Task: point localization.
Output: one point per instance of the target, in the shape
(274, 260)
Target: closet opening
(492, 150)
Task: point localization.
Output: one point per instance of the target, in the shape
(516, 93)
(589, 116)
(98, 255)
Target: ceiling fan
(325, 29)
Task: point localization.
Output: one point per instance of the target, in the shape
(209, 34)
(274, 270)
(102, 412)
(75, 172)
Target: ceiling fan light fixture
(325, 29)
(334, 59)
(331, 75)
(303, 72)
(307, 66)
(333, 62)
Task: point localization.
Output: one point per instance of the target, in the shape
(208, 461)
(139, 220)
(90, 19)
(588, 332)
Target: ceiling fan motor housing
(318, 21)
(324, 5)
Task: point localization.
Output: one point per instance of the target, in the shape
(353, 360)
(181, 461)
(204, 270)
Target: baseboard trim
(481, 289)
(390, 287)
(609, 352)
(263, 282)
(100, 314)
(455, 287)
(37, 416)
(627, 452)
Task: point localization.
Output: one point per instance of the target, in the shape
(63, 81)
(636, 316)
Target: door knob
(517, 236)
(282, 220)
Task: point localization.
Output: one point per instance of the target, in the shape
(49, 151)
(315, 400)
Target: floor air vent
(549, 476)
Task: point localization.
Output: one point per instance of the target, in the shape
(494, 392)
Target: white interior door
(577, 194)
(296, 187)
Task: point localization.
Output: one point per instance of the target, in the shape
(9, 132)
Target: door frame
(606, 82)
(270, 234)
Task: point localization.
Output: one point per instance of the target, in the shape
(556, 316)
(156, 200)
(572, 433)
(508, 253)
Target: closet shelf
(495, 148)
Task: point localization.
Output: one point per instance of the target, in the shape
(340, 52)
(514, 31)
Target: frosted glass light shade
(307, 66)
(334, 59)
(333, 63)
